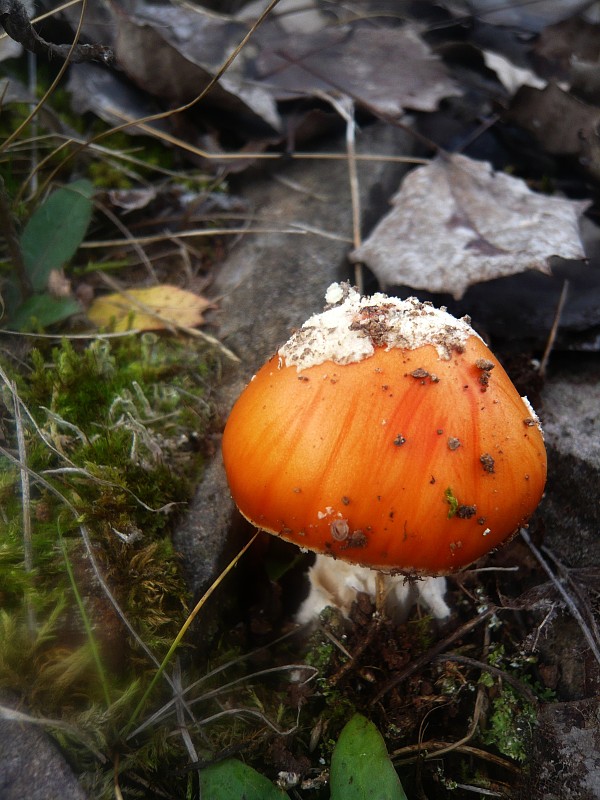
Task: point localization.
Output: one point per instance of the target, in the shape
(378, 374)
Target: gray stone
(32, 767)
(565, 763)
(271, 283)
(571, 420)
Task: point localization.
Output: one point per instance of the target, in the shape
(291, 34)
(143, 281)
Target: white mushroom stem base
(335, 583)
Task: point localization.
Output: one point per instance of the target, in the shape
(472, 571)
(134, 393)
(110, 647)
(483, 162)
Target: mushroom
(384, 433)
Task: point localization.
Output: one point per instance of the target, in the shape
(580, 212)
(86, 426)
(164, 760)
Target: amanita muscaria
(385, 433)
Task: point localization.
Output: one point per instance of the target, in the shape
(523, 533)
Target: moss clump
(112, 434)
(512, 716)
(510, 724)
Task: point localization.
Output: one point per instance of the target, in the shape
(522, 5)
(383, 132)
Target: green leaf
(55, 230)
(233, 780)
(360, 766)
(42, 310)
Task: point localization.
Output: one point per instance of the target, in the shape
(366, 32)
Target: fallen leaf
(293, 16)
(510, 75)
(527, 16)
(456, 222)
(384, 69)
(149, 309)
(173, 52)
(110, 97)
(554, 117)
(558, 44)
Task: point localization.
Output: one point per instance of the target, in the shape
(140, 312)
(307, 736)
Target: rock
(271, 283)
(565, 763)
(32, 767)
(570, 513)
(571, 420)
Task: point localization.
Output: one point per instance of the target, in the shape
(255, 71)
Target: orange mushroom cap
(386, 434)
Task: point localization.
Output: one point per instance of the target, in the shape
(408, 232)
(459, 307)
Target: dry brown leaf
(173, 52)
(104, 93)
(554, 117)
(149, 309)
(456, 222)
(385, 69)
(574, 37)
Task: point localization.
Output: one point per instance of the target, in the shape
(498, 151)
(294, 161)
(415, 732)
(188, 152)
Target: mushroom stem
(380, 594)
(337, 584)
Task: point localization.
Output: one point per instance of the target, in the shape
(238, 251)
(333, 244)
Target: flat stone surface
(271, 283)
(565, 761)
(571, 419)
(32, 767)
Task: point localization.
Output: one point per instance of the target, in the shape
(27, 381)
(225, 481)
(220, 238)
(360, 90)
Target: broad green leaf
(233, 780)
(55, 230)
(42, 310)
(360, 766)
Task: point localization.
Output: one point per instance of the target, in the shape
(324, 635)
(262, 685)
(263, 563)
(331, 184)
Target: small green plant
(360, 766)
(510, 724)
(361, 769)
(512, 716)
(47, 243)
(231, 779)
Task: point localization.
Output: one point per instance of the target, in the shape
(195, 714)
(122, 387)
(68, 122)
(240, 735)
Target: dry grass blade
(25, 495)
(566, 596)
(12, 715)
(40, 480)
(167, 709)
(72, 48)
(554, 330)
(177, 641)
(345, 108)
(142, 123)
(589, 631)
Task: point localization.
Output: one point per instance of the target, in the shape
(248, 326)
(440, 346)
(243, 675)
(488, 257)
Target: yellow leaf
(148, 309)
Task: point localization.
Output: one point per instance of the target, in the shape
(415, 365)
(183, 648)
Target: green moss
(452, 502)
(512, 716)
(326, 657)
(509, 724)
(111, 429)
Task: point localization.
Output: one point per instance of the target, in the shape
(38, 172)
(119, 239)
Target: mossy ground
(112, 435)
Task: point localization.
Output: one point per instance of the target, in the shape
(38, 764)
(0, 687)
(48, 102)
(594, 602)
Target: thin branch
(14, 20)
(433, 652)
(518, 685)
(554, 330)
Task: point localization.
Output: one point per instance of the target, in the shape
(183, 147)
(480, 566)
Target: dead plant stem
(558, 585)
(554, 330)
(434, 651)
(177, 641)
(25, 501)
